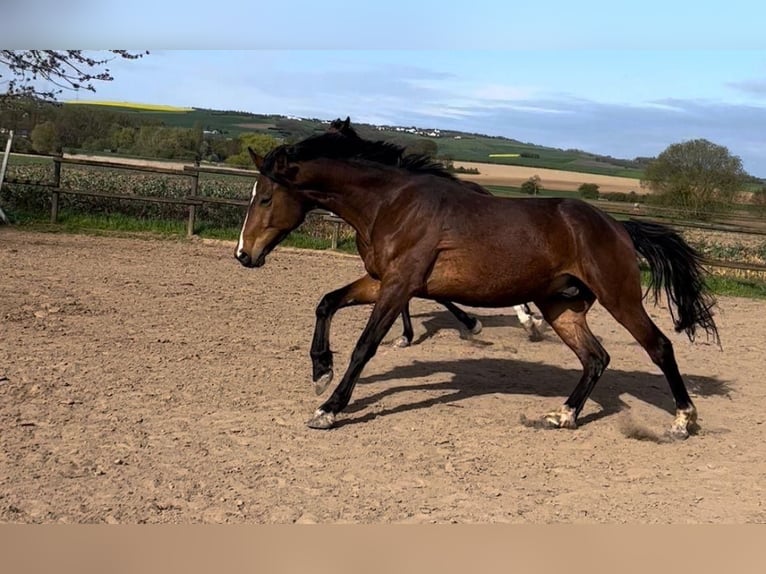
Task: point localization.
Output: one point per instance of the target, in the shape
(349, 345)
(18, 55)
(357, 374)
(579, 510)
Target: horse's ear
(257, 160)
(282, 165)
(347, 122)
(280, 160)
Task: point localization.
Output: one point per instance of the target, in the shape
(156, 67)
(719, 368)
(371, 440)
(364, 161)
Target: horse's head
(339, 125)
(343, 127)
(274, 211)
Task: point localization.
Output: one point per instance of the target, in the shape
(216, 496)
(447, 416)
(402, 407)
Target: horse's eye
(265, 200)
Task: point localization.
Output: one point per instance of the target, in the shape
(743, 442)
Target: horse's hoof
(535, 335)
(685, 421)
(321, 420)
(561, 419)
(477, 328)
(678, 433)
(532, 327)
(322, 382)
(402, 342)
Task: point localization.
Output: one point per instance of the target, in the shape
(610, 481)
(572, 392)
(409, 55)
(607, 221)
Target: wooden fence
(748, 225)
(192, 201)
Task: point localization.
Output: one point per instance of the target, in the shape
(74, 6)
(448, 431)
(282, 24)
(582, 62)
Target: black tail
(676, 266)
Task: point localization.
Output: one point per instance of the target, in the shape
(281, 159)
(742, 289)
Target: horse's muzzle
(248, 261)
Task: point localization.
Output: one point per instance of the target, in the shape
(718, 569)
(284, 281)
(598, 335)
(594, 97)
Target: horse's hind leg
(361, 292)
(635, 319)
(567, 318)
(473, 325)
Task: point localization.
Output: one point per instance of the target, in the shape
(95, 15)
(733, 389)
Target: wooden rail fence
(192, 201)
(754, 225)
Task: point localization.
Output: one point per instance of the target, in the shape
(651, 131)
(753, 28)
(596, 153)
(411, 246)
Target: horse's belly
(485, 283)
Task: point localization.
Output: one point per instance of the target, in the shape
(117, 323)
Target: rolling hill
(456, 145)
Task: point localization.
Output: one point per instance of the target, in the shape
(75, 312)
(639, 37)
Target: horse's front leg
(473, 325)
(363, 291)
(390, 304)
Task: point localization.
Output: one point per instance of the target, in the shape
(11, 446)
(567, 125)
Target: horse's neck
(353, 194)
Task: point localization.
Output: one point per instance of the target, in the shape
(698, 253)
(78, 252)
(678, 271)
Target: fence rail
(193, 201)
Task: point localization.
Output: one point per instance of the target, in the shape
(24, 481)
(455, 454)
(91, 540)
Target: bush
(630, 197)
(532, 186)
(759, 200)
(588, 191)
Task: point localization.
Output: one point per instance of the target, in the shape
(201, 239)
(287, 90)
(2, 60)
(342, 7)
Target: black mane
(421, 163)
(337, 145)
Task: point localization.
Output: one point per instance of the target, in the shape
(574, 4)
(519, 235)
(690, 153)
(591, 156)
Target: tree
(123, 139)
(697, 176)
(588, 190)
(261, 144)
(65, 69)
(759, 200)
(532, 185)
(423, 146)
(45, 138)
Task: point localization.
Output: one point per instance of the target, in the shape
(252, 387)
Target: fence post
(193, 206)
(190, 221)
(57, 171)
(54, 206)
(335, 233)
(55, 195)
(8, 144)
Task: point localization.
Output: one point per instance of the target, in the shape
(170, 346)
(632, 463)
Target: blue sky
(612, 78)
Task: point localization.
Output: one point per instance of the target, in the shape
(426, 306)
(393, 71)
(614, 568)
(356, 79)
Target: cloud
(619, 130)
(750, 87)
(373, 90)
(526, 114)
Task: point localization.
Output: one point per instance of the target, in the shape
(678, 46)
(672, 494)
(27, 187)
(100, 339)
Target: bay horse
(427, 239)
(530, 323)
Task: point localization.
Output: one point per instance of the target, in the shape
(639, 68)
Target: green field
(227, 122)
(453, 144)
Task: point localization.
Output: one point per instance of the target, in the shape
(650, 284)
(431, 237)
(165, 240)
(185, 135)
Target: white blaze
(241, 242)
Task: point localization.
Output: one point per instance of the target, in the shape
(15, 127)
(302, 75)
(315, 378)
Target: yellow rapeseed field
(132, 105)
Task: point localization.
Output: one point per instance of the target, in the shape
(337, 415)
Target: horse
(526, 318)
(427, 239)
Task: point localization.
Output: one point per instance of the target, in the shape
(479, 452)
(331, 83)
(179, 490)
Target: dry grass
(552, 179)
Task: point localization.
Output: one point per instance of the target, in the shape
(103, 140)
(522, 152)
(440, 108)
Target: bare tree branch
(65, 69)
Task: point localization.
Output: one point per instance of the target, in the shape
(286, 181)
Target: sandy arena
(158, 381)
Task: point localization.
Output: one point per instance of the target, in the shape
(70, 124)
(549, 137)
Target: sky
(622, 79)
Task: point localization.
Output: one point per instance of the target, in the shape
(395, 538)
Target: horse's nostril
(243, 258)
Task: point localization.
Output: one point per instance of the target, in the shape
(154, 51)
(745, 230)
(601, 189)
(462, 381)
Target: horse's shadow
(484, 376)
